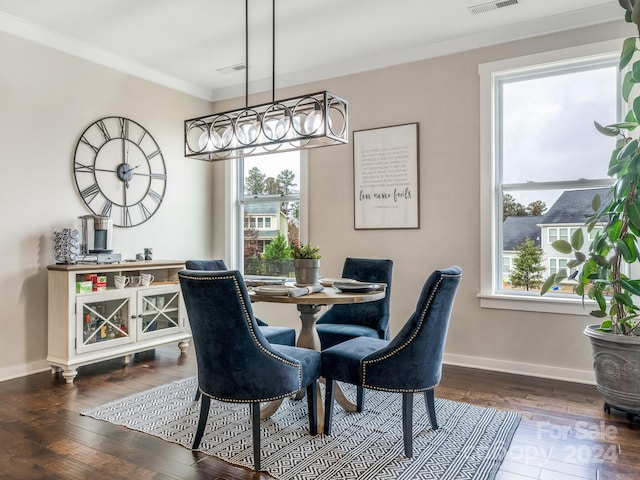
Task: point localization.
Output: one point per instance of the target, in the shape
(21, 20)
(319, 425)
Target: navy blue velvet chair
(280, 335)
(410, 363)
(236, 363)
(371, 319)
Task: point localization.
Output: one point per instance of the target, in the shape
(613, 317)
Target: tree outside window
(527, 269)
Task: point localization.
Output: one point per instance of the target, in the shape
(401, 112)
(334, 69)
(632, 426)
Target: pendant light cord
(246, 53)
(273, 51)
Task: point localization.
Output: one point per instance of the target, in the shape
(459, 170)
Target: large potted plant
(606, 270)
(306, 263)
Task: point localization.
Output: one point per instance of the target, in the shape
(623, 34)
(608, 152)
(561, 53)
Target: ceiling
(182, 44)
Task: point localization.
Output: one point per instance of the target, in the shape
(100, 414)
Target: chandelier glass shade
(308, 121)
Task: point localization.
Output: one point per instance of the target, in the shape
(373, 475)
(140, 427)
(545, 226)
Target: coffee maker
(96, 232)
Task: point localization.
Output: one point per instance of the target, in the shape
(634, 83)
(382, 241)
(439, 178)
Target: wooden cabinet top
(106, 267)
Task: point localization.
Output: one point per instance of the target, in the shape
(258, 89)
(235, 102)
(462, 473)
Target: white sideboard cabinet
(89, 327)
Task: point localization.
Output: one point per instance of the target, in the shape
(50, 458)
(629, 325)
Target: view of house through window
(270, 199)
(551, 162)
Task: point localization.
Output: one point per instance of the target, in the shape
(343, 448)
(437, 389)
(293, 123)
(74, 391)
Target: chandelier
(307, 121)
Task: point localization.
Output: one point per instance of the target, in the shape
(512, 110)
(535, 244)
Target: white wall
(442, 95)
(47, 99)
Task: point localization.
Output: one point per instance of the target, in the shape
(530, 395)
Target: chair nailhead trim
(235, 400)
(423, 314)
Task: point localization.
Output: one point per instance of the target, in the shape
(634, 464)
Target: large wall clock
(120, 171)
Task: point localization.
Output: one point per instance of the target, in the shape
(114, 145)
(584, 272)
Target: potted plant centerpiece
(306, 263)
(613, 258)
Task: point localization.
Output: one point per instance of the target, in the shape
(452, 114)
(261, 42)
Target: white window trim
(489, 250)
(232, 209)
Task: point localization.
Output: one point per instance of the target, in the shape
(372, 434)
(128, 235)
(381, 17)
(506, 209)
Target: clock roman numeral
(124, 127)
(89, 193)
(106, 209)
(86, 142)
(80, 167)
(155, 195)
(151, 155)
(126, 217)
(146, 213)
(144, 132)
(103, 129)
(158, 176)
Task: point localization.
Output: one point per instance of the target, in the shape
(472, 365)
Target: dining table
(309, 305)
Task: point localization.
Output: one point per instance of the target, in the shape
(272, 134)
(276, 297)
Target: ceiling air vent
(487, 7)
(231, 69)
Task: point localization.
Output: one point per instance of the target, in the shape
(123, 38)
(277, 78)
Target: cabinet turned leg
(126, 360)
(183, 346)
(69, 375)
(55, 369)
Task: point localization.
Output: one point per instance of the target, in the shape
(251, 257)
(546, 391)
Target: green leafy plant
(527, 265)
(304, 251)
(277, 249)
(615, 221)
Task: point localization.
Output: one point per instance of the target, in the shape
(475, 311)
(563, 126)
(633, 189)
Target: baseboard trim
(17, 371)
(516, 368)
(528, 369)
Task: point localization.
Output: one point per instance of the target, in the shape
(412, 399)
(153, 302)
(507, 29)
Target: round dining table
(309, 306)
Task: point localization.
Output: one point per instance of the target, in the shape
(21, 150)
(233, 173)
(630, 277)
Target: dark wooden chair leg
(407, 423)
(328, 405)
(360, 399)
(429, 400)
(312, 405)
(202, 421)
(255, 424)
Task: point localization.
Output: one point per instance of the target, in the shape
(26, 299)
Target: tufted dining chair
(280, 335)
(371, 319)
(243, 367)
(408, 364)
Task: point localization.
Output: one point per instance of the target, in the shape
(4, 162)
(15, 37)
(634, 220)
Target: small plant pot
(306, 270)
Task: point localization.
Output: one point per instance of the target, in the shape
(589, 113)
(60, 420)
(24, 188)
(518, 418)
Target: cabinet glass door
(103, 322)
(159, 312)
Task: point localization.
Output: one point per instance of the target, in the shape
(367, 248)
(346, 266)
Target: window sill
(526, 303)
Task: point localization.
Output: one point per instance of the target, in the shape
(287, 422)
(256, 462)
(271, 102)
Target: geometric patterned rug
(471, 442)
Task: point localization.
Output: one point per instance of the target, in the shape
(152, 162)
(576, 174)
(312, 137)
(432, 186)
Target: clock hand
(126, 183)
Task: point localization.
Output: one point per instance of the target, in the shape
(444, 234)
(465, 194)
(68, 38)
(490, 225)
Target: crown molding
(29, 31)
(569, 21)
(518, 31)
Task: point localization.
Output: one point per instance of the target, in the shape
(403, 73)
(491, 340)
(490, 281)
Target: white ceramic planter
(616, 362)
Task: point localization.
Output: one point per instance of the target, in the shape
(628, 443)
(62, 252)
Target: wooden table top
(329, 296)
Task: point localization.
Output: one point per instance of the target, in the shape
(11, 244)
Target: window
(269, 199)
(506, 266)
(558, 264)
(258, 223)
(593, 233)
(542, 158)
(561, 234)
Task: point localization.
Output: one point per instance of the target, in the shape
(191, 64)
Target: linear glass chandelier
(308, 121)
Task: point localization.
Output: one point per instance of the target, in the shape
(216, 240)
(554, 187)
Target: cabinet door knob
(133, 317)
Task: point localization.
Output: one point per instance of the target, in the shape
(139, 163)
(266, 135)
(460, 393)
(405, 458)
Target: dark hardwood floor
(564, 433)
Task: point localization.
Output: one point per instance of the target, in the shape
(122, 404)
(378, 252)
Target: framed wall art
(385, 177)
